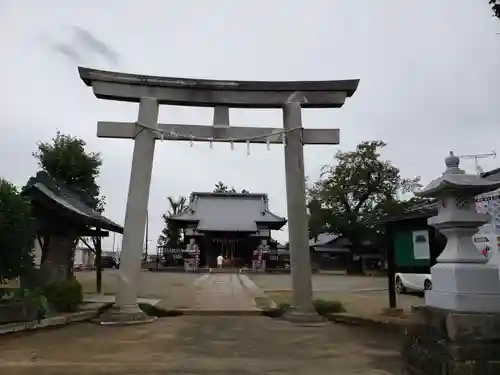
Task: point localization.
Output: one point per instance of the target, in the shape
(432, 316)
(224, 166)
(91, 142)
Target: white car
(416, 282)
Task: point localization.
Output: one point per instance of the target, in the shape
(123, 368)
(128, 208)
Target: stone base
(124, 315)
(486, 303)
(303, 317)
(464, 287)
(444, 342)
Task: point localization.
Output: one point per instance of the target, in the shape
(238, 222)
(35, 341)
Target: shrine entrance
(150, 92)
(237, 251)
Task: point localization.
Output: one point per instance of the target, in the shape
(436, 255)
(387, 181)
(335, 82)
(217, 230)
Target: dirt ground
(172, 288)
(201, 345)
(360, 295)
(364, 304)
(320, 282)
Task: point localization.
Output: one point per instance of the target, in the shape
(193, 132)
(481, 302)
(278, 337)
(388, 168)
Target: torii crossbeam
(151, 91)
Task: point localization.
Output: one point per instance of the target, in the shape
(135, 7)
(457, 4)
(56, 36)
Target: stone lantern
(458, 329)
(462, 281)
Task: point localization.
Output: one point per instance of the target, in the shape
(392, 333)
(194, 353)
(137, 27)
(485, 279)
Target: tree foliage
(17, 233)
(66, 160)
(171, 235)
(220, 187)
(356, 192)
(495, 6)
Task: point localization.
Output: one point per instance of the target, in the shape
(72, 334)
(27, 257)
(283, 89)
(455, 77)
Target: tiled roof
(323, 239)
(422, 210)
(229, 212)
(70, 201)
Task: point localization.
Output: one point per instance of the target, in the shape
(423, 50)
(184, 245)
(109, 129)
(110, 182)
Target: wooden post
(98, 264)
(391, 265)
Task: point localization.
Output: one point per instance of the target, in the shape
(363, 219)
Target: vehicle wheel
(427, 285)
(400, 286)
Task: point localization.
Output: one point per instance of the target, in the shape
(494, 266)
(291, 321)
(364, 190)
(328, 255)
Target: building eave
(88, 215)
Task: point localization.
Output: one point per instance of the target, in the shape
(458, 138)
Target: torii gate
(152, 91)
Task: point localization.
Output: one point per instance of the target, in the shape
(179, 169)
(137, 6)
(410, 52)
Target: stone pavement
(222, 292)
(188, 345)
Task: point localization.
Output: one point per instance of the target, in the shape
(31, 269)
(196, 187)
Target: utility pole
(476, 158)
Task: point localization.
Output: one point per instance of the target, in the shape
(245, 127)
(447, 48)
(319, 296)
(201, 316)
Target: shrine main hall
(229, 224)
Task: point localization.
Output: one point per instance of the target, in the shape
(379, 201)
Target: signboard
(490, 204)
(421, 248)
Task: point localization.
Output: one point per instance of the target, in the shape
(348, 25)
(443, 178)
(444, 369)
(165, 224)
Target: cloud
(86, 40)
(67, 51)
(84, 47)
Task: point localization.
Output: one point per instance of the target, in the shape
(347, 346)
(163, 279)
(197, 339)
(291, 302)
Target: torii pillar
(151, 92)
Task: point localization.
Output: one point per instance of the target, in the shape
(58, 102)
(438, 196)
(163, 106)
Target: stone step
(224, 270)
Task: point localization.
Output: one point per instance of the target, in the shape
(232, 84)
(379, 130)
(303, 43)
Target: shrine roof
(235, 212)
(420, 210)
(68, 200)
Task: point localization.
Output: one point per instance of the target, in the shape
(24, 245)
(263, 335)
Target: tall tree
(66, 160)
(171, 235)
(352, 195)
(17, 232)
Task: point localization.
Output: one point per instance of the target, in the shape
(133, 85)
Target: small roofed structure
(63, 215)
(229, 224)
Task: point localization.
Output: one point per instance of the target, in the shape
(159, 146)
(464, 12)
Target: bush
(17, 233)
(324, 307)
(31, 298)
(64, 296)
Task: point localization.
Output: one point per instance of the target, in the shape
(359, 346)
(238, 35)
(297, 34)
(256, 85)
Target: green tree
(355, 193)
(17, 233)
(66, 160)
(171, 235)
(220, 187)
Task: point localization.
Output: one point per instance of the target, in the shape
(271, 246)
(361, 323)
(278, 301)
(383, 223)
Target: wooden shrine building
(63, 216)
(229, 224)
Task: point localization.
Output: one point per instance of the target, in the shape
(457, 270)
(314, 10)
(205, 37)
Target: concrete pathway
(222, 292)
(196, 345)
(106, 298)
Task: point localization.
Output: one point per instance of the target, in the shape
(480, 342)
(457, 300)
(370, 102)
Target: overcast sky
(429, 73)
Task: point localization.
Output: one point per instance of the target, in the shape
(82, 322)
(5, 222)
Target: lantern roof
(455, 180)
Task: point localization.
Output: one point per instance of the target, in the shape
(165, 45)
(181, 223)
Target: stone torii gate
(150, 92)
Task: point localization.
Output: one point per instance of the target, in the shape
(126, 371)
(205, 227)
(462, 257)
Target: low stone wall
(442, 342)
(18, 311)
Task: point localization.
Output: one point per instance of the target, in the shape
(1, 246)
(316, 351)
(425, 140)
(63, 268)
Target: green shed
(412, 245)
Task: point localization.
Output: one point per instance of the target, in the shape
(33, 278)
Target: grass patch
(151, 310)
